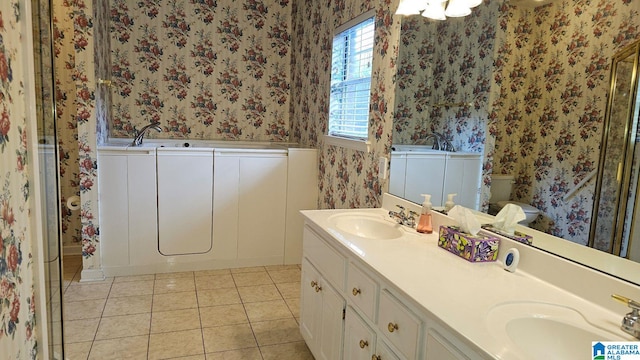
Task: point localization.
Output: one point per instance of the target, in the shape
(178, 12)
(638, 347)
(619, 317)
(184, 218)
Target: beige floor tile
(276, 331)
(223, 315)
(174, 301)
(231, 337)
(175, 320)
(258, 293)
(216, 297)
(123, 326)
(289, 351)
(76, 351)
(147, 277)
(164, 286)
(86, 309)
(134, 347)
(289, 290)
(285, 276)
(174, 275)
(80, 330)
(267, 310)
(212, 272)
(252, 278)
(294, 306)
(132, 288)
(242, 354)
(128, 305)
(191, 357)
(175, 344)
(248, 269)
(87, 291)
(214, 282)
(281, 267)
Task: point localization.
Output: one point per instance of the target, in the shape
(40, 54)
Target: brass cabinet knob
(392, 327)
(363, 344)
(355, 291)
(375, 357)
(318, 288)
(314, 283)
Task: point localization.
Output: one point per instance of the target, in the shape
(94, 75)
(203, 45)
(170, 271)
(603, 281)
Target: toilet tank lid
(525, 207)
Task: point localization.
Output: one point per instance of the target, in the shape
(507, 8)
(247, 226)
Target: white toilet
(501, 186)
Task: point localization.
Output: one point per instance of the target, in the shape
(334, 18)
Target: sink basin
(546, 331)
(366, 226)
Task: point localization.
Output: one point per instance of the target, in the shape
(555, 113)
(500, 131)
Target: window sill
(359, 145)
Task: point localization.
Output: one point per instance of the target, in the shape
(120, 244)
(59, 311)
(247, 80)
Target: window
(351, 62)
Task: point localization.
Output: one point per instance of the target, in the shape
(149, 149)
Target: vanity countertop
(457, 292)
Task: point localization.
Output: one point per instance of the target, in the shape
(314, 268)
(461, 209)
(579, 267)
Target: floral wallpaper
(553, 72)
(17, 305)
(444, 84)
(67, 125)
(203, 69)
(348, 178)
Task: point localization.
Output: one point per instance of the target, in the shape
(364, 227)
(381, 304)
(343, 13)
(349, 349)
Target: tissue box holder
(517, 236)
(481, 247)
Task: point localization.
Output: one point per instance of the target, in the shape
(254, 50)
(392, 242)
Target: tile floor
(247, 313)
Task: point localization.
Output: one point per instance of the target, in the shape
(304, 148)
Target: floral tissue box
(481, 247)
(517, 236)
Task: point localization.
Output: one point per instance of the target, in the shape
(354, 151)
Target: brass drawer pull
(314, 283)
(355, 291)
(363, 344)
(376, 357)
(318, 288)
(392, 327)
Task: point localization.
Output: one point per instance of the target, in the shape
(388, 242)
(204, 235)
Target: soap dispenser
(449, 204)
(424, 224)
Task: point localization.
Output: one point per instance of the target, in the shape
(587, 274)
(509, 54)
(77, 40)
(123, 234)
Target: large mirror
(525, 86)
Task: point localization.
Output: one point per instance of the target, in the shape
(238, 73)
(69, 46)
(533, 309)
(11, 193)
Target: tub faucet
(137, 141)
(436, 140)
(631, 321)
(444, 144)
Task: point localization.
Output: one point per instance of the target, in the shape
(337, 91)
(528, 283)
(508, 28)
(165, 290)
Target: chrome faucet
(436, 140)
(404, 217)
(444, 144)
(630, 322)
(137, 141)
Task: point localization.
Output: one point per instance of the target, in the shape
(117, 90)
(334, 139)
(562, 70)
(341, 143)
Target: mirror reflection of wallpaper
(204, 70)
(554, 81)
(67, 124)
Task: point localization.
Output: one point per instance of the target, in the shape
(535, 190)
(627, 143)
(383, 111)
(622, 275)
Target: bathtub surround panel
(249, 194)
(204, 70)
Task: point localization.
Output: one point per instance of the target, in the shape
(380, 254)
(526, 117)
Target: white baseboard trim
(92, 275)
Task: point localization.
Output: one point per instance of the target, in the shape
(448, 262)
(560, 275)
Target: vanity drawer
(398, 324)
(329, 261)
(362, 291)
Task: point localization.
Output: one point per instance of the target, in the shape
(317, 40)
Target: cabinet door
(383, 352)
(185, 201)
(425, 175)
(321, 309)
(262, 202)
(310, 307)
(440, 349)
(359, 339)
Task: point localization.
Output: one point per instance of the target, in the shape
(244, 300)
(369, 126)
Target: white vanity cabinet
(379, 322)
(322, 305)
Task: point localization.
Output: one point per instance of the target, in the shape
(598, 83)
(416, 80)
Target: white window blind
(351, 62)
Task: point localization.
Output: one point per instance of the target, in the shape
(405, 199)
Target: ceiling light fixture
(437, 9)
